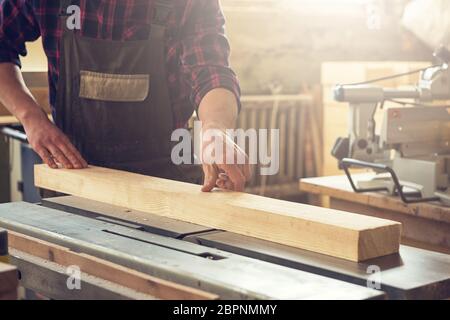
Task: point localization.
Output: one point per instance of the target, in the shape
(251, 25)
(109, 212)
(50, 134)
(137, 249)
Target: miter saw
(411, 152)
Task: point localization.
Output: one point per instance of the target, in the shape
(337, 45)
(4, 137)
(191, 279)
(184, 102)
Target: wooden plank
(340, 234)
(339, 188)
(418, 232)
(49, 279)
(425, 225)
(6, 120)
(106, 270)
(8, 282)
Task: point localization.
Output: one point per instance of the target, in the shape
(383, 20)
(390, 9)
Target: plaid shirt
(197, 50)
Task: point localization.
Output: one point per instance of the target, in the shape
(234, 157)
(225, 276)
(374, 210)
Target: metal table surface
(229, 275)
(412, 274)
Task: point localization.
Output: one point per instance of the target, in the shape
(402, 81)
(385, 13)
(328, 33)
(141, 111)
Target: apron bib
(113, 101)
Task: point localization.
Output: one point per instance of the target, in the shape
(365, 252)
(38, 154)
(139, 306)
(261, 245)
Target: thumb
(210, 178)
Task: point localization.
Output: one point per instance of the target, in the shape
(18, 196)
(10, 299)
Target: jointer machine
(228, 265)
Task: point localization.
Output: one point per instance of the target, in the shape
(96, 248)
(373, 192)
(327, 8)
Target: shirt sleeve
(206, 51)
(17, 25)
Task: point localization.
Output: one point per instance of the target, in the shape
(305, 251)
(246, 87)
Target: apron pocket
(114, 87)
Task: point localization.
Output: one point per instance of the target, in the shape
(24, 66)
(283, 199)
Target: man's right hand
(45, 138)
(51, 144)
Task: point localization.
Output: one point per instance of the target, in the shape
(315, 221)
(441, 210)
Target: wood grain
(340, 234)
(417, 232)
(340, 188)
(106, 270)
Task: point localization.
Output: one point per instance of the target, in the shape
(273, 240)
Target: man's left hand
(218, 111)
(225, 164)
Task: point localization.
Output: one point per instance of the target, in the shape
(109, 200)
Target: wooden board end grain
(337, 233)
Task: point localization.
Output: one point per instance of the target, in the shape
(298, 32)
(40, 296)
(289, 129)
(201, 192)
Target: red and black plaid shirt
(197, 49)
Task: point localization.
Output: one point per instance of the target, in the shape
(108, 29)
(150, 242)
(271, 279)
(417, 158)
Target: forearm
(219, 109)
(15, 95)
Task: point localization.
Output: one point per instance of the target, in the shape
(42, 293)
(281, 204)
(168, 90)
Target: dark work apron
(113, 100)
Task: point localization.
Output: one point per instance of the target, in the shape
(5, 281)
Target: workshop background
(136, 237)
(288, 55)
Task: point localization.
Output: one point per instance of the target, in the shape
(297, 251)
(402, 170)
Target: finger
(59, 156)
(75, 152)
(71, 154)
(210, 178)
(236, 177)
(220, 184)
(223, 176)
(225, 184)
(83, 162)
(242, 160)
(46, 157)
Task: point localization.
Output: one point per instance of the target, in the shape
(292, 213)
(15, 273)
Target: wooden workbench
(425, 225)
(8, 282)
(7, 120)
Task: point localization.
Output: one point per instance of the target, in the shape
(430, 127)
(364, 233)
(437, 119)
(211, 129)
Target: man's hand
(45, 138)
(51, 144)
(218, 112)
(225, 164)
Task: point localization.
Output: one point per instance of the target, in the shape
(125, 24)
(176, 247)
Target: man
(133, 72)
